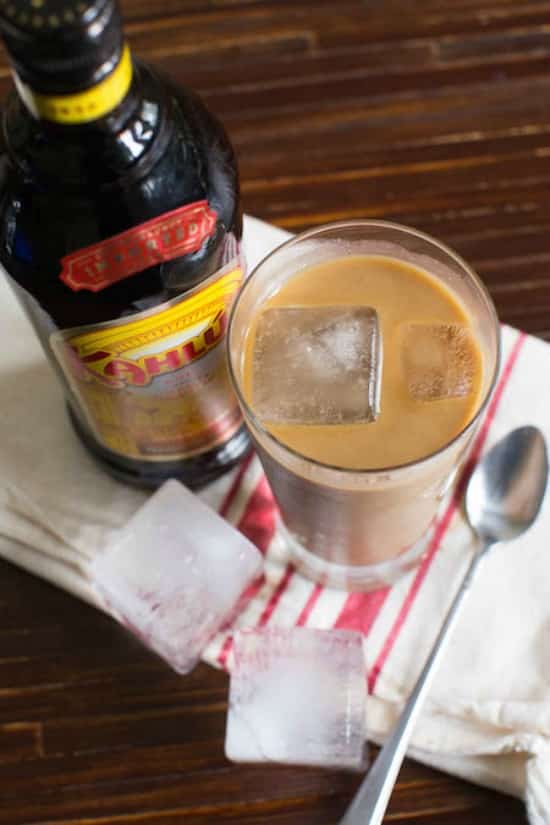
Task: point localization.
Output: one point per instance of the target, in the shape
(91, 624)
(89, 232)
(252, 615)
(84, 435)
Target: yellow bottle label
(82, 107)
(156, 388)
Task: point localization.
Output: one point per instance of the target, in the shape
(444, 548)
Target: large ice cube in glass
(176, 574)
(439, 361)
(298, 697)
(317, 365)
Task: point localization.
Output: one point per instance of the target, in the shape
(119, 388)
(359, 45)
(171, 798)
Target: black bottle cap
(61, 46)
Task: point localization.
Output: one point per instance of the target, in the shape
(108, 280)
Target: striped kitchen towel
(488, 716)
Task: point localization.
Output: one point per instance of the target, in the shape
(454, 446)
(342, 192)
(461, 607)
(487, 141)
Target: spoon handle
(370, 803)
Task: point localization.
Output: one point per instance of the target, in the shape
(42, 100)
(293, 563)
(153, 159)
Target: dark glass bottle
(120, 228)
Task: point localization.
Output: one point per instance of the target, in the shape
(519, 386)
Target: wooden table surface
(435, 113)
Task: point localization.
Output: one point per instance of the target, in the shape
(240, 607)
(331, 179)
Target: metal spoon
(502, 501)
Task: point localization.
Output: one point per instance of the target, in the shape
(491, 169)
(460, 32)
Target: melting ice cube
(439, 361)
(298, 697)
(176, 574)
(317, 365)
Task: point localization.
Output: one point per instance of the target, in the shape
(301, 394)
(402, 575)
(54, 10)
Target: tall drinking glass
(360, 528)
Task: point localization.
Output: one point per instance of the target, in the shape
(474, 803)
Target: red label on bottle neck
(161, 239)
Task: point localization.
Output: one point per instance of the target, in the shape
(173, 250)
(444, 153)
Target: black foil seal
(62, 46)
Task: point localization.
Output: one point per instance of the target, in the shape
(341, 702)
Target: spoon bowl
(506, 490)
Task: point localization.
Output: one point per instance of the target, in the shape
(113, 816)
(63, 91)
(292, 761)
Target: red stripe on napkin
(259, 519)
(447, 518)
(258, 525)
(309, 605)
(361, 609)
(266, 614)
(236, 486)
(224, 652)
(276, 595)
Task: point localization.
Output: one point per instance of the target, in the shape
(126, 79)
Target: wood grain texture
(435, 113)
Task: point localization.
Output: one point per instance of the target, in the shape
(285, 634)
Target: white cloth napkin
(488, 716)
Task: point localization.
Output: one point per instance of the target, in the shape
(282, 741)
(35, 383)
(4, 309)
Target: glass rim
(402, 229)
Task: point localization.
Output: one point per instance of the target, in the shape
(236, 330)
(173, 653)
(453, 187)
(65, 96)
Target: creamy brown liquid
(406, 429)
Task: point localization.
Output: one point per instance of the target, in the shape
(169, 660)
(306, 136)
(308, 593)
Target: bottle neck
(125, 140)
(81, 107)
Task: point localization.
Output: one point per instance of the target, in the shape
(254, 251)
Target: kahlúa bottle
(120, 231)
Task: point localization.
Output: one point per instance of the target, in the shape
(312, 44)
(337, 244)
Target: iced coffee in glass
(363, 354)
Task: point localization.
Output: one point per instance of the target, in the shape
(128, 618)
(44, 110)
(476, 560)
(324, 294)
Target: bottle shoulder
(43, 219)
(127, 142)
